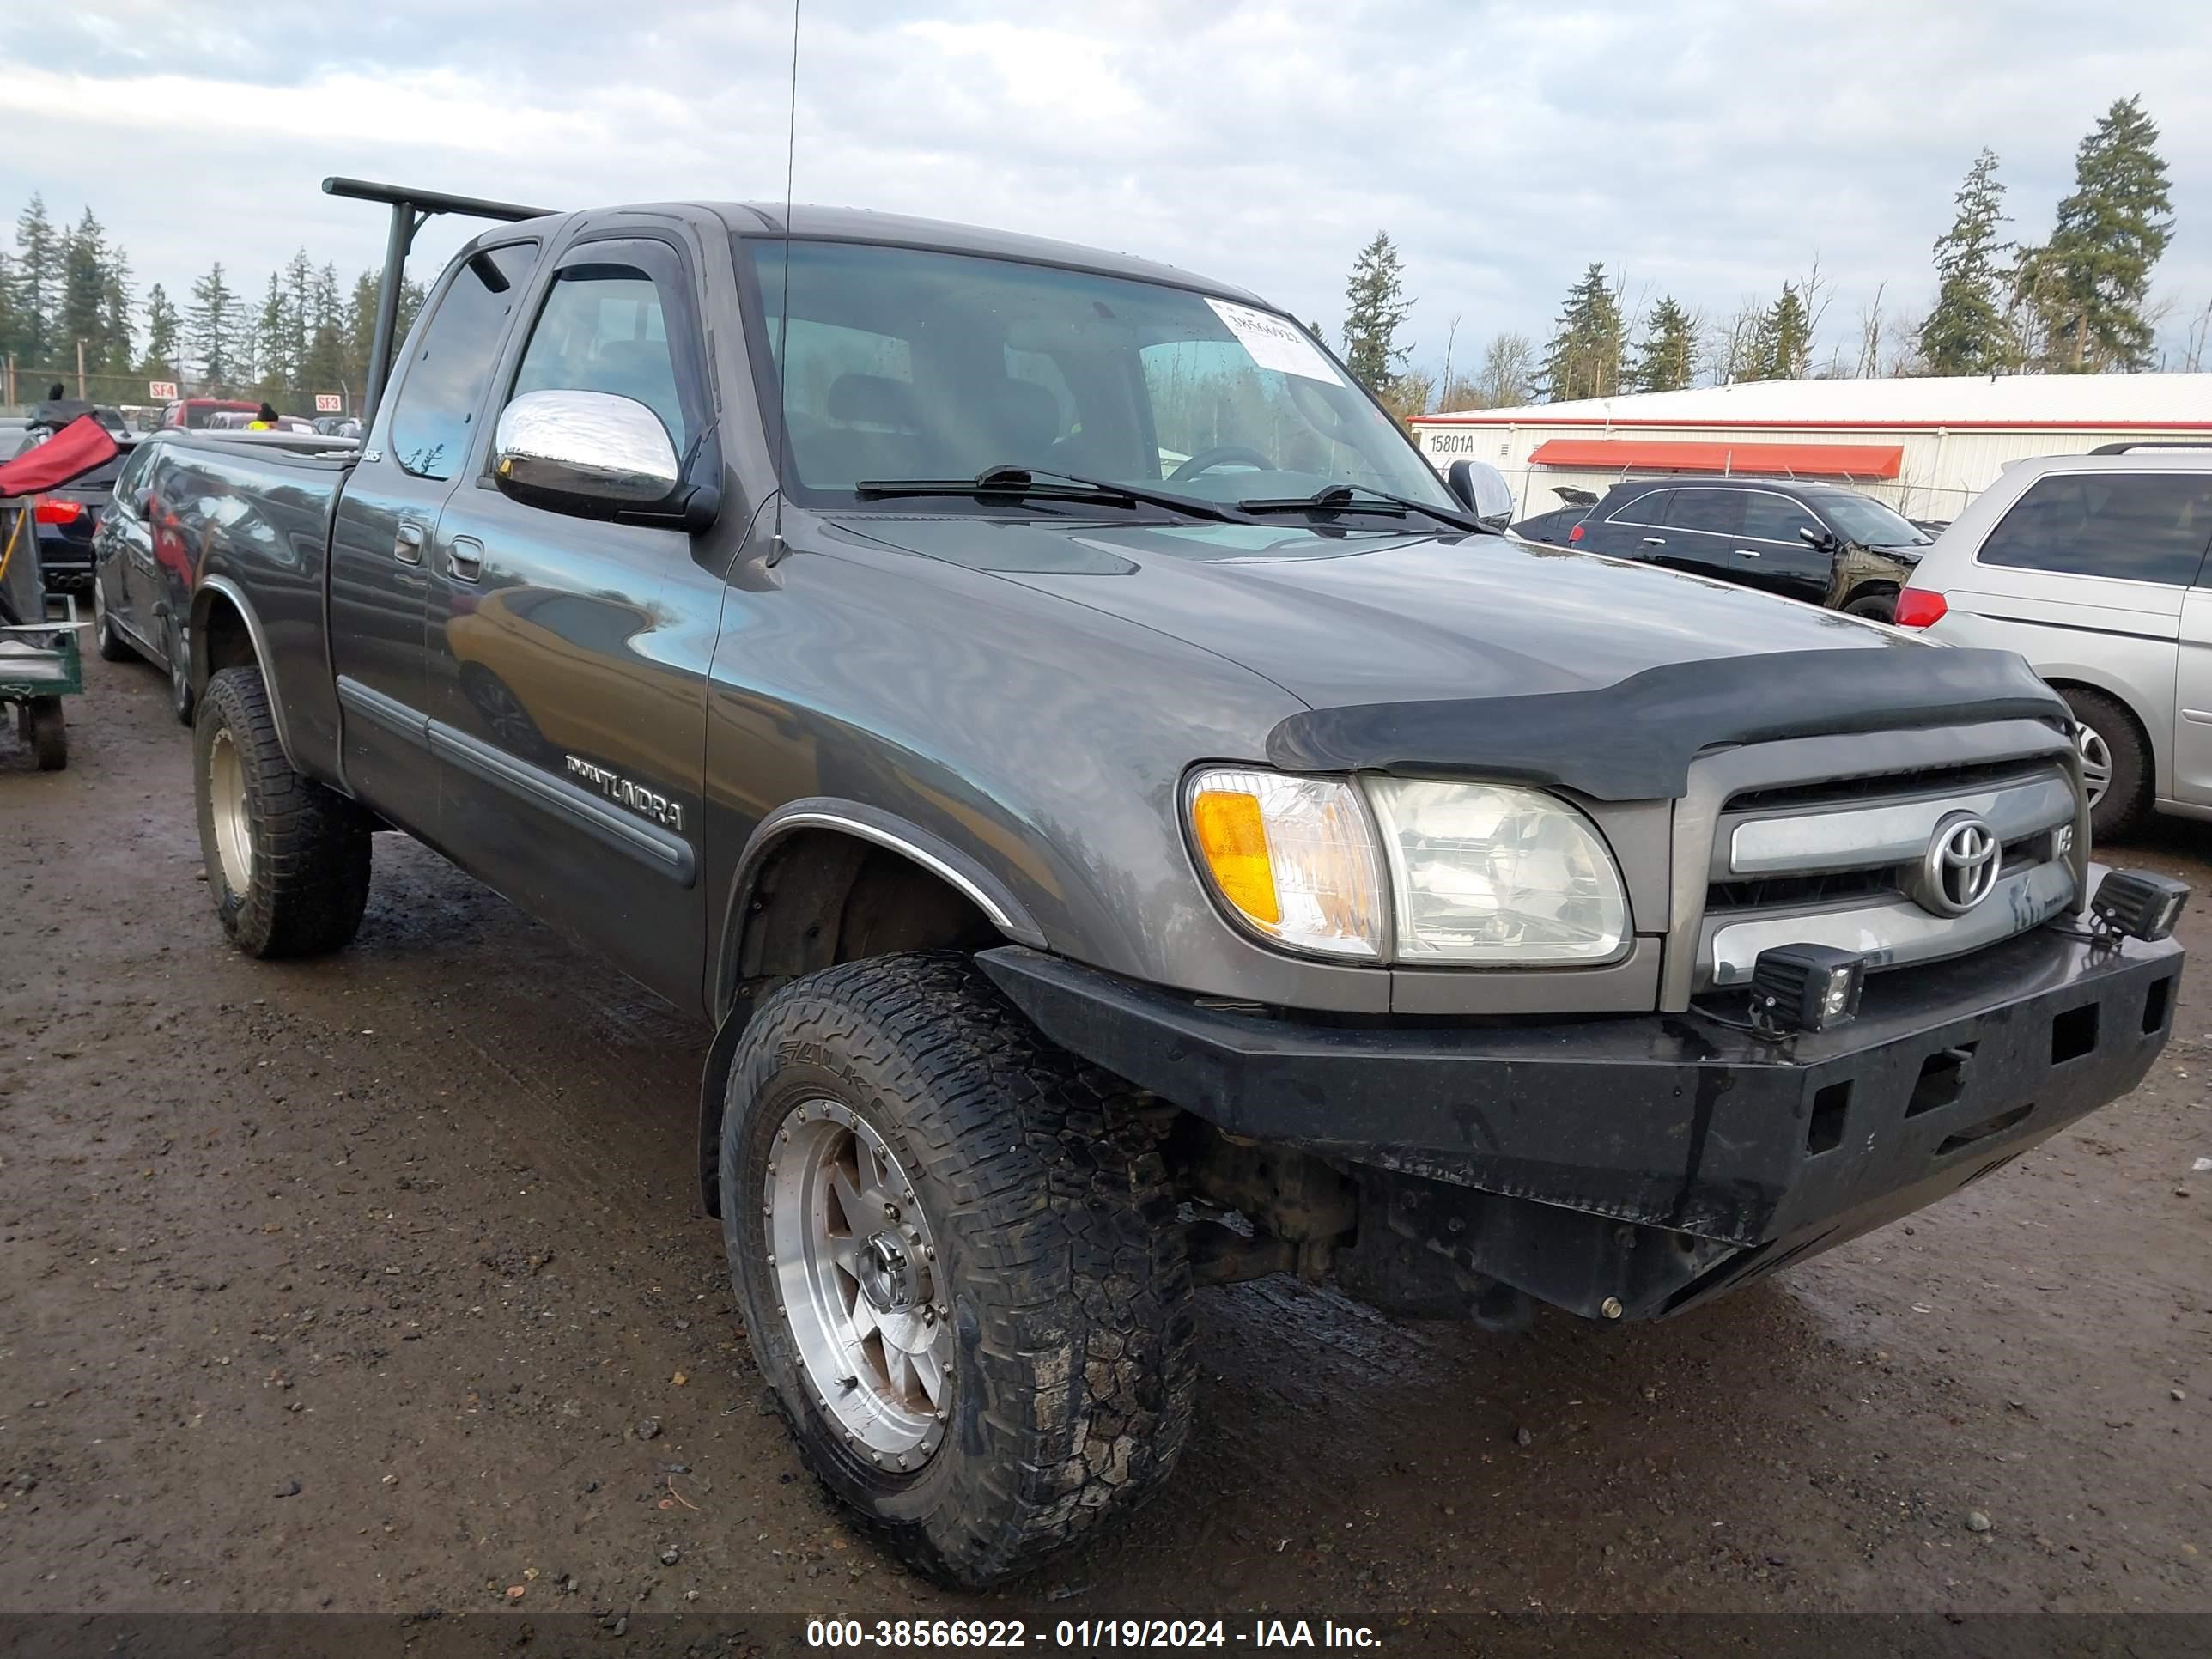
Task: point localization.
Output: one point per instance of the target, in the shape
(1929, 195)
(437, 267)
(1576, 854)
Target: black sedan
(1790, 538)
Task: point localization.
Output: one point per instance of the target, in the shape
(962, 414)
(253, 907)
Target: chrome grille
(1843, 870)
(1798, 842)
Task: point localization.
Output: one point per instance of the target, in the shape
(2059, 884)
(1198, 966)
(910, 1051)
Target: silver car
(2095, 569)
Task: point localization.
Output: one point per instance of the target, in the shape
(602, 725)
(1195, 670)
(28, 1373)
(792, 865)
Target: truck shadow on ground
(1332, 1441)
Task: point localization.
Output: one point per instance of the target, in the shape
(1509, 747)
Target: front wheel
(959, 1264)
(287, 860)
(112, 647)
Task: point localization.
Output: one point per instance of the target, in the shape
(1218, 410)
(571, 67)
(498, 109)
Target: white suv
(2095, 569)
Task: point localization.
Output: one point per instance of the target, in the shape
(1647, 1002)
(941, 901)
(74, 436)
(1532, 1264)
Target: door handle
(407, 543)
(1655, 541)
(464, 559)
(1746, 552)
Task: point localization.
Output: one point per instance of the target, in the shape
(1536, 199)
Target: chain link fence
(140, 397)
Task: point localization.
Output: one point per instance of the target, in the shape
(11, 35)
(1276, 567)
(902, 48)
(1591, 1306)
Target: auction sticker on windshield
(1274, 344)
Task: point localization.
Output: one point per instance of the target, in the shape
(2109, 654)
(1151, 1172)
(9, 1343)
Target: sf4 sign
(161, 390)
(328, 402)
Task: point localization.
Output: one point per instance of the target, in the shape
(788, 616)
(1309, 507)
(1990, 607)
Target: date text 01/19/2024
(1085, 1634)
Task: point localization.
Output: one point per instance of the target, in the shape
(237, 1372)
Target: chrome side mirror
(590, 452)
(1821, 541)
(1482, 490)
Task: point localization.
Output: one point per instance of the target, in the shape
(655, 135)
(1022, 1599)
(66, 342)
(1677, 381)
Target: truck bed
(253, 514)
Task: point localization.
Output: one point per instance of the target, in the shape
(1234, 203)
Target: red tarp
(78, 447)
(1704, 455)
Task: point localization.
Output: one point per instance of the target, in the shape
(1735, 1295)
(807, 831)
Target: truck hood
(1486, 655)
(1338, 617)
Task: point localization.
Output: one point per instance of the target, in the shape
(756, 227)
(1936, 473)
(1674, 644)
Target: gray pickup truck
(1131, 824)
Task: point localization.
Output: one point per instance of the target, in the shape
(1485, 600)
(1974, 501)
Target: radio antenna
(777, 548)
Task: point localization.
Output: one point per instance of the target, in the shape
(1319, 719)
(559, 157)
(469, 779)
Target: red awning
(1668, 455)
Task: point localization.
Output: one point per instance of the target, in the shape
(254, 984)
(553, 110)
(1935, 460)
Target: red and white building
(1926, 446)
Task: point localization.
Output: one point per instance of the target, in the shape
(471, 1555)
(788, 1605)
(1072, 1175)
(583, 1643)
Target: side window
(1649, 508)
(1774, 519)
(135, 471)
(1717, 512)
(607, 326)
(444, 382)
(2137, 526)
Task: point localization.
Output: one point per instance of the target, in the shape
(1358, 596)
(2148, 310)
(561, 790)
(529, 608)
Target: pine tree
(299, 310)
(38, 281)
(361, 326)
(1583, 359)
(163, 333)
(2087, 286)
(1376, 308)
(272, 340)
(214, 333)
(82, 319)
(325, 367)
(1667, 359)
(1965, 332)
(1784, 349)
(115, 305)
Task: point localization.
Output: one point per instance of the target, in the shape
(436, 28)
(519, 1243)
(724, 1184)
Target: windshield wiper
(1034, 484)
(1364, 498)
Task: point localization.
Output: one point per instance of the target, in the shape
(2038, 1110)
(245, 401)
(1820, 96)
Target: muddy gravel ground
(378, 1283)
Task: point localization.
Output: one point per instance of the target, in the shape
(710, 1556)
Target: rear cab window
(2129, 527)
(445, 380)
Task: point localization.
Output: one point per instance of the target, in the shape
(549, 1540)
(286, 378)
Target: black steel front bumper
(1675, 1122)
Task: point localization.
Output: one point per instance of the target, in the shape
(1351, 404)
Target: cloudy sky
(1707, 149)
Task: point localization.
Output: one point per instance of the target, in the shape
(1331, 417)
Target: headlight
(1294, 857)
(1489, 874)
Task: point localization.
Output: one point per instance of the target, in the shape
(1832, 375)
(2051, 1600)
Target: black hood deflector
(1634, 740)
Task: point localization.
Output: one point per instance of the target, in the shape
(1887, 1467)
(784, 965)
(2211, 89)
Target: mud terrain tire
(1057, 1252)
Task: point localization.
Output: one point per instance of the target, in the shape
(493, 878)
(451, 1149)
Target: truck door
(568, 656)
(387, 518)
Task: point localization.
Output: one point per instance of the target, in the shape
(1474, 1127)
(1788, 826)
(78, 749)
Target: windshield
(909, 364)
(1862, 519)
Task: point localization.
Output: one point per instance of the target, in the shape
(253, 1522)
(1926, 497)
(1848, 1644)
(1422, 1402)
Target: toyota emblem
(1960, 866)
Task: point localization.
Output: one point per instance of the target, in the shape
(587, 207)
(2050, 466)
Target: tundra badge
(648, 803)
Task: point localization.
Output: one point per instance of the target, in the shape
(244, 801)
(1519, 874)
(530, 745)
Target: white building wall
(1957, 434)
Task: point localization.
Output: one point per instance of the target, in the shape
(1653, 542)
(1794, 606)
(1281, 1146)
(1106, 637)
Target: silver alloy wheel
(2096, 763)
(233, 823)
(856, 1280)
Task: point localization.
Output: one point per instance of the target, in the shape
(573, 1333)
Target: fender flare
(230, 591)
(955, 867)
(933, 853)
